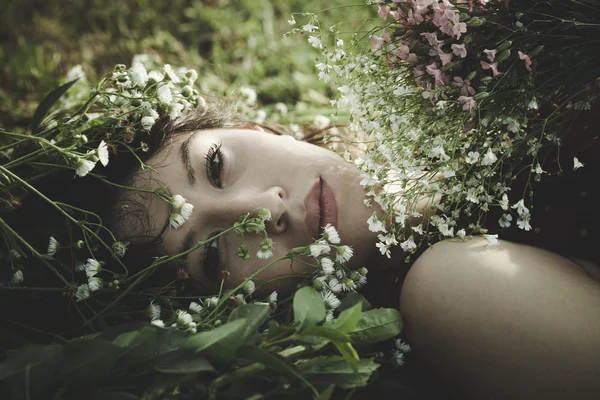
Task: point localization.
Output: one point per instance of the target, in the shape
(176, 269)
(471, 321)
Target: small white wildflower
(178, 201)
(164, 95)
(240, 299)
(120, 248)
(139, 75)
(331, 234)
(334, 285)
(577, 164)
(521, 209)
(249, 287)
(319, 249)
(281, 108)
(171, 74)
(175, 110)
(83, 292)
(52, 246)
(533, 105)
(489, 158)
(315, 42)
(155, 76)
(148, 122)
(95, 283)
(273, 297)
(211, 302)
(491, 239)
(92, 267)
(310, 28)
(186, 211)
(327, 266)
(15, 254)
(329, 315)
(401, 346)
(375, 225)
(103, 153)
(184, 318)
(343, 254)
(264, 254)
(195, 307)
(76, 72)
(384, 249)
(408, 245)
(17, 277)
(472, 157)
(158, 322)
(261, 115)
(83, 166)
(504, 221)
(153, 311)
(461, 233)
(523, 223)
(176, 220)
(330, 299)
(248, 94)
(398, 358)
(292, 21)
(321, 121)
(266, 249)
(504, 202)
(264, 214)
(538, 169)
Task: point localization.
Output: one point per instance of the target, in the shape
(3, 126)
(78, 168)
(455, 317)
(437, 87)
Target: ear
(252, 126)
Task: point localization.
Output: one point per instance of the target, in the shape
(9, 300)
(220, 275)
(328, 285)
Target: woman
(496, 321)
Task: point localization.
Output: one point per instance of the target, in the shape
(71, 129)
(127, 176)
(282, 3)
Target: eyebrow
(186, 159)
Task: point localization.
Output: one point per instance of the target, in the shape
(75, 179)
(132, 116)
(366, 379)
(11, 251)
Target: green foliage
(116, 363)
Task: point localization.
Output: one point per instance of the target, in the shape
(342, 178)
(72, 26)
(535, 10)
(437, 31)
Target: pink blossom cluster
(444, 30)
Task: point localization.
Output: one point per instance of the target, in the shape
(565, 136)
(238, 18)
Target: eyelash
(215, 156)
(212, 258)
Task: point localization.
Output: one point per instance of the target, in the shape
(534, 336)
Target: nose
(248, 202)
(275, 204)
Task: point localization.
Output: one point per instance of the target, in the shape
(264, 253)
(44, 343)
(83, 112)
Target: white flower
(384, 249)
(158, 322)
(103, 153)
(211, 302)
(398, 358)
(95, 283)
(153, 311)
(76, 73)
(538, 169)
(577, 164)
(489, 158)
(533, 105)
(266, 247)
(84, 166)
(15, 254)
(261, 115)
(343, 254)
(195, 307)
(319, 249)
(408, 245)
(461, 233)
(321, 121)
(315, 42)
(139, 75)
(176, 220)
(504, 221)
(120, 248)
(401, 346)
(334, 285)
(171, 74)
(52, 245)
(375, 225)
(148, 122)
(330, 299)
(523, 223)
(330, 234)
(264, 214)
(504, 202)
(249, 95)
(310, 28)
(292, 21)
(175, 110)
(264, 254)
(491, 239)
(472, 157)
(521, 209)
(327, 266)
(186, 211)
(446, 230)
(164, 95)
(83, 292)
(178, 201)
(273, 297)
(249, 287)
(281, 108)
(329, 315)
(92, 267)
(17, 277)
(184, 318)
(156, 76)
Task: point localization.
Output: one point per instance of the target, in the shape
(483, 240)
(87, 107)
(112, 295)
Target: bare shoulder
(505, 320)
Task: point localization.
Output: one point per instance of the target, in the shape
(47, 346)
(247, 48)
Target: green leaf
(169, 340)
(47, 103)
(270, 360)
(277, 331)
(221, 343)
(113, 332)
(87, 361)
(136, 347)
(38, 362)
(326, 394)
(348, 319)
(255, 314)
(349, 353)
(335, 370)
(309, 307)
(340, 339)
(353, 298)
(376, 326)
(182, 362)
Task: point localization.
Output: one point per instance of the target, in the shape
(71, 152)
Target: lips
(321, 207)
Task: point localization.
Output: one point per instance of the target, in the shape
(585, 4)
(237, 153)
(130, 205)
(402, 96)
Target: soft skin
(259, 170)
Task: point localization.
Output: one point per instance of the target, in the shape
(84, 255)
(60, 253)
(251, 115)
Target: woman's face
(226, 173)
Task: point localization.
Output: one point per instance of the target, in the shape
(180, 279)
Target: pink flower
(383, 11)
(459, 50)
(491, 54)
(439, 76)
(459, 29)
(376, 42)
(431, 37)
(470, 103)
(445, 57)
(402, 51)
(465, 86)
(493, 66)
(414, 18)
(412, 58)
(525, 59)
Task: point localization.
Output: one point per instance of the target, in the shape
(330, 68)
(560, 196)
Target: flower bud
(537, 51)
(318, 285)
(472, 75)
(80, 244)
(481, 96)
(120, 67)
(476, 21)
(505, 45)
(503, 55)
